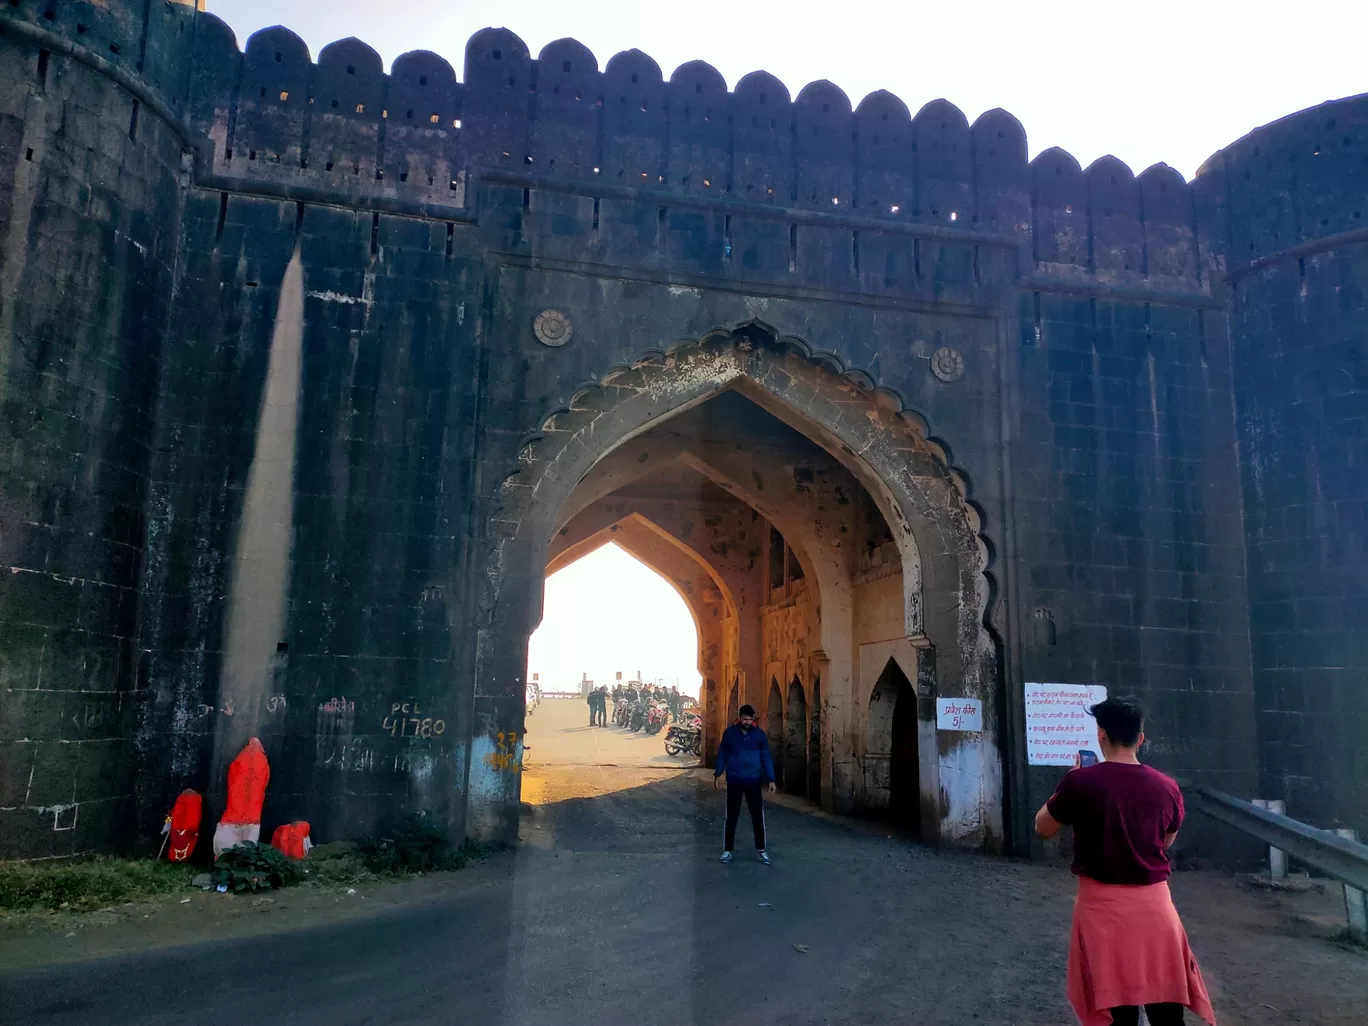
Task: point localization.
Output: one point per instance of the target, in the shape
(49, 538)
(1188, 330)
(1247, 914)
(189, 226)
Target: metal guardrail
(1339, 857)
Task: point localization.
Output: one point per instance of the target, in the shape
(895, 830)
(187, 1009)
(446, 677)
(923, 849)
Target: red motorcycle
(656, 716)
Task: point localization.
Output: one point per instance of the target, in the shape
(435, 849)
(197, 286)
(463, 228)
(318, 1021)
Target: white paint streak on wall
(961, 786)
(341, 297)
(488, 784)
(261, 561)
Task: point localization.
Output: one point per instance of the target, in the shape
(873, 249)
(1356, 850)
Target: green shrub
(86, 884)
(416, 847)
(254, 867)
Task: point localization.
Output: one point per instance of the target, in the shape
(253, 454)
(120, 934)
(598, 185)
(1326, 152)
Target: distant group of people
(635, 691)
(670, 697)
(598, 706)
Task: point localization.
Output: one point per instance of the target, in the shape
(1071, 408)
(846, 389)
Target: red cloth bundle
(292, 839)
(185, 823)
(1129, 948)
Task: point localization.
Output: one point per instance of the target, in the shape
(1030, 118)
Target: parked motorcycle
(684, 738)
(656, 715)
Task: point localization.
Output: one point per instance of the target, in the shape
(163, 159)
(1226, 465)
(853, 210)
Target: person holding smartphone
(1128, 947)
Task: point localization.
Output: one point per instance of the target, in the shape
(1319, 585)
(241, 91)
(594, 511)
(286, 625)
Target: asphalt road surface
(614, 911)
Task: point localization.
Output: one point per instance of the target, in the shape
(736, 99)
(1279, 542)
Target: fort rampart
(1160, 415)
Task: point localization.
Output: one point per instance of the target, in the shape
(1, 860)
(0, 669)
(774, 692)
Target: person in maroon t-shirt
(1128, 946)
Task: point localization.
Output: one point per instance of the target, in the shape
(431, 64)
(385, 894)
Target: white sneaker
(726, 856)
(762, 857)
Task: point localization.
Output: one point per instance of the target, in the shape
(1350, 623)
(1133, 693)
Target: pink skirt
(1129, 948)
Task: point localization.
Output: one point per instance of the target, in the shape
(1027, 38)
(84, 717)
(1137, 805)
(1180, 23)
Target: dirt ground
(614, 910)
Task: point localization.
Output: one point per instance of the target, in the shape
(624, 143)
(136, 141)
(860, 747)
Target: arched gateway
(831, 606)
(367, 340)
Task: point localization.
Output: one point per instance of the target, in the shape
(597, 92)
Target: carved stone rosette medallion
(947, 364)
(552, 328)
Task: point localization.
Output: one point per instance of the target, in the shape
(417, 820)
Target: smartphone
(1086, 758)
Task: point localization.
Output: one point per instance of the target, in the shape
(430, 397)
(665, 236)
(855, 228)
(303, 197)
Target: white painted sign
(1057, 722)
(959, 714)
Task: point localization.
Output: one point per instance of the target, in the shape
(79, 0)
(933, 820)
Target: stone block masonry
(1128, 414)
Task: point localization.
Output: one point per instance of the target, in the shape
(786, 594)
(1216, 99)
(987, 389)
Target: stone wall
(1290, 203)
(1089, 358)
(90, 204)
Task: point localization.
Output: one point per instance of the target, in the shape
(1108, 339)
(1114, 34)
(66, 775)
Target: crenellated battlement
(145, 39)
(269, 118)
(1293, 183)
(340, 129)
(344, 127)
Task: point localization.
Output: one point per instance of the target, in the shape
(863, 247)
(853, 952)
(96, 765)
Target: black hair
(746, 710)
(1121, 718)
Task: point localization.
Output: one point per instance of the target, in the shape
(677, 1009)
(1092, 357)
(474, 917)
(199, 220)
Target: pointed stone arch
(795, 738)
(683, 566)
(774, 725)
(891, 749)
(889, 449)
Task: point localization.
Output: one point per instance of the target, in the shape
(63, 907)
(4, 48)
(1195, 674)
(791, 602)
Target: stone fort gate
(312, 372)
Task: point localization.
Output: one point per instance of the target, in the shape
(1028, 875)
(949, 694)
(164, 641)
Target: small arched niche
(891, 764)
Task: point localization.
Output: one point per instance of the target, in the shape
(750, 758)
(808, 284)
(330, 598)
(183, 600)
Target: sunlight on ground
(566, 758)
(608, 613)
(560, 784)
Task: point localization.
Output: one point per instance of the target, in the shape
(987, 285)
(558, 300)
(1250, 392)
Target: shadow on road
(614, 911)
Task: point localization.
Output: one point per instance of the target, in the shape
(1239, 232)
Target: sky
(608, 612)
(1162, 80)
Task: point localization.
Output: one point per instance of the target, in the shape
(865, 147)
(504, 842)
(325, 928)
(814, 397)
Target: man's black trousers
(750, 790)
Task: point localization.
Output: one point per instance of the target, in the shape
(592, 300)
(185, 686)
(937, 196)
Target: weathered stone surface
(1143, 471)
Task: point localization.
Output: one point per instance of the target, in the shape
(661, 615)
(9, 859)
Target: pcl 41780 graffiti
(405, 719)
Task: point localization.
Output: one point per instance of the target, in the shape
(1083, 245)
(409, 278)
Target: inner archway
(614, 626)
(608, 612)
(855, 517)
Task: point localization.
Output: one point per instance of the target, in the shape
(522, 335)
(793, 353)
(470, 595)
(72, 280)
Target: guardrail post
(1277, 858)
(1355, 902)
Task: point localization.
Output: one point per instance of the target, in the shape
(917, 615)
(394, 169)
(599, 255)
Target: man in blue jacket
(744, 756)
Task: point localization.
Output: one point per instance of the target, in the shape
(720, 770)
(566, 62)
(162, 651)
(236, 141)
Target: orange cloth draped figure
(247, 778)
(185, 823)
(1128, 947)
(292, 839)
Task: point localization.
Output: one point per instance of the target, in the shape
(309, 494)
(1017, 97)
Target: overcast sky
(1162, 80)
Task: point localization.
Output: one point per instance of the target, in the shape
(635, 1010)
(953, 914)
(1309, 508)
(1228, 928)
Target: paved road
(615, 912)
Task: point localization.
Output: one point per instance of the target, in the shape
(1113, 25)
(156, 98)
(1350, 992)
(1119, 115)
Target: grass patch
(91, 884)
(87, 884)
(407, 853)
